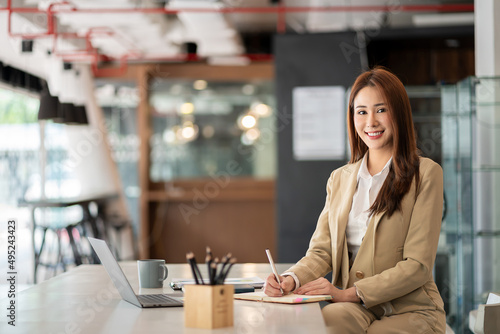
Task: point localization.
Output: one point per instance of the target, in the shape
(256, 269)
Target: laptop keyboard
(157, 299)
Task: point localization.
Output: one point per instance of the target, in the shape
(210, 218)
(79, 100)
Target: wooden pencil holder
(208, 306)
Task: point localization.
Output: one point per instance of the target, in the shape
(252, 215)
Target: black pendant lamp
(81, 114)
(67, 113)
(73, 114)
(49, 105)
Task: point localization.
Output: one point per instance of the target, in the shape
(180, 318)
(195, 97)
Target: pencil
(225, 261)
(213, 271)
(189, 258)
(197, 269)
(226, 272)
(208, 261)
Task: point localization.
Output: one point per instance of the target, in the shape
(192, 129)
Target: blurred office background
(181, 124)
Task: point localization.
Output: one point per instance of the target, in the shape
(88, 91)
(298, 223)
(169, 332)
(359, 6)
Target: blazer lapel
(376, 220)
(374, 223)
(348, 184)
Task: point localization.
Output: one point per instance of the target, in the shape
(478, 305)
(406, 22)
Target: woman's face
(372, 120)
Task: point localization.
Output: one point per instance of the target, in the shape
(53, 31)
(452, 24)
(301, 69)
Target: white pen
(273, 267)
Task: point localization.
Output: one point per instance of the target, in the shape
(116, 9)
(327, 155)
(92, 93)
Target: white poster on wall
(319, 123)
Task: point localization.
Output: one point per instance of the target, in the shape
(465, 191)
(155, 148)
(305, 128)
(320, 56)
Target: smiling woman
(373, 125)
(398, 138)
(379, 229)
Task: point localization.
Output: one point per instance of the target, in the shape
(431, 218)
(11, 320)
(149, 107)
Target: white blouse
(359, 217)
(366, 193)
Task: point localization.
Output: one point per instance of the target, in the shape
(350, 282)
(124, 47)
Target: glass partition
(201, 128)
(470, 235)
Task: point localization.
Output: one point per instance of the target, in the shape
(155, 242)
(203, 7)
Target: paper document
(287, 299)
(256, 282)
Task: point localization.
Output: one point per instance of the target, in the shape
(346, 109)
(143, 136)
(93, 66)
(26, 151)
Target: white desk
(84, 300)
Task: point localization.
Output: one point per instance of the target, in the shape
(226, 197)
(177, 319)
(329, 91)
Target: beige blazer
(393, 268)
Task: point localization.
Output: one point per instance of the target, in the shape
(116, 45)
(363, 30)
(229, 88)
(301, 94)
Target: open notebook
(288, 299)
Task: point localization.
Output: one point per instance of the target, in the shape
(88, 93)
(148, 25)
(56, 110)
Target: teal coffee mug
(152, 273)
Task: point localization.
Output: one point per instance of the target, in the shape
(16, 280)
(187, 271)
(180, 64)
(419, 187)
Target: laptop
(122, 284)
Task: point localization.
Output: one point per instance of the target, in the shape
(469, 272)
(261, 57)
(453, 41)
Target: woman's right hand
(272, 288)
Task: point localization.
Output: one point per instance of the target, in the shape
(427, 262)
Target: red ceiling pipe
(281, 20)
(280, 10)
(50, 12)
(91, 53)
(257, 10)
(111, 71)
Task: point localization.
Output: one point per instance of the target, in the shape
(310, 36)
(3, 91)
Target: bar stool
(56, 238)
(111, 227)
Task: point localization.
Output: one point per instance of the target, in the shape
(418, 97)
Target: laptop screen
(114, 271)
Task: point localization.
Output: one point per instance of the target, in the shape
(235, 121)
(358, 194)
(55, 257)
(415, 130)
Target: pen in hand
(273, 267)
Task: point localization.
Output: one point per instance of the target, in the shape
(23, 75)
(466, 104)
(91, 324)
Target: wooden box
(208, 306)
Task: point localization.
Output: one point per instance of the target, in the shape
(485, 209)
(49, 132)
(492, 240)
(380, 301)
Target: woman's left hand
(322, 286)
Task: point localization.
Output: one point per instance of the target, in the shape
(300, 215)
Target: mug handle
(164, 274)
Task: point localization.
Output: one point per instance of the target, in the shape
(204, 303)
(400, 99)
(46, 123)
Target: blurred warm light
(248, 121)
(200, 84)
(187, 108)
(188, 132)
(262, 109)
(253, 134)
(250, 136)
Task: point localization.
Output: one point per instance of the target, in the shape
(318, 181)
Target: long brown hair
(405, 159)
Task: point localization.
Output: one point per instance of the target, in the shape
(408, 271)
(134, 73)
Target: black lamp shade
(65, 112)
(81, 115)
(49, 106)
(73, 115)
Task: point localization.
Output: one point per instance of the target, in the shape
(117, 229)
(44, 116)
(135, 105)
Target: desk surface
(84, 300)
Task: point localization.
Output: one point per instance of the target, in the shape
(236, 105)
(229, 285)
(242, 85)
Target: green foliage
(17, 108)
